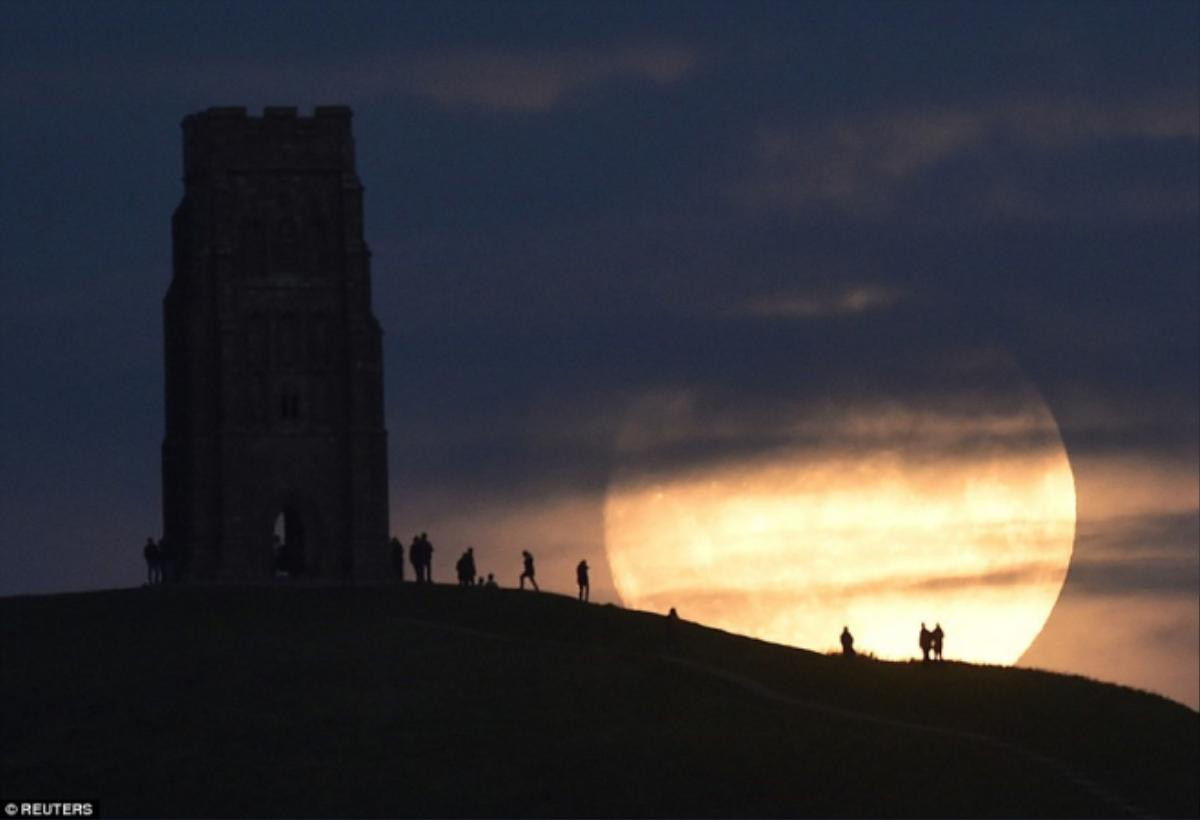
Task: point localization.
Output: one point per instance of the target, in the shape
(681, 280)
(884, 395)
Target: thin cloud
(537, 81)
(1152, 552)
(491, 79)
(1025, 574)
(847, 302)
(859, 165)
(667, 431)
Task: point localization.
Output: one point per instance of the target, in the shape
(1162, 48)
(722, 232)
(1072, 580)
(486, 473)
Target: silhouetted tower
(274, 388)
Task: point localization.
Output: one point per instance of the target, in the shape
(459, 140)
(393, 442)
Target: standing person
(398, 558)
(581, 577)
(414, 558)
(935, 640)
(153, 567)
(926, 641)
(847, 642)
(528, 571)
(466, 568)
(469, 566)
(427, 557)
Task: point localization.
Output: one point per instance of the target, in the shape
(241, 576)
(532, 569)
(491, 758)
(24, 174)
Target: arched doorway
(288, 544)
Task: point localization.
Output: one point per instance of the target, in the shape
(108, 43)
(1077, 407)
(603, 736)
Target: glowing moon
(877, 518)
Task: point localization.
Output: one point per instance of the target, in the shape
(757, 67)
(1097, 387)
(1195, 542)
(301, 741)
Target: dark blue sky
(571, 204)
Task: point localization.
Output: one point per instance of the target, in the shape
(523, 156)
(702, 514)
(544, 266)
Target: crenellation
(228, 140)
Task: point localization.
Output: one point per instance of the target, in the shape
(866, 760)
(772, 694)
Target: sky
(766, 211)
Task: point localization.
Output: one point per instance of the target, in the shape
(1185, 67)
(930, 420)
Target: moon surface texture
(789, 523)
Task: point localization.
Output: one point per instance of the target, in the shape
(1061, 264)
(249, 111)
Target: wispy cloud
(675, 431)
(845, 302)
(860, 164)
(1029, 573)
(535, 81)
(492, 79)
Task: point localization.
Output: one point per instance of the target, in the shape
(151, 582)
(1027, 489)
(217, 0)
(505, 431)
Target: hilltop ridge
(283, 700)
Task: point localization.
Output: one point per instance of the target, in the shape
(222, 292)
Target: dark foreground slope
(336, 701)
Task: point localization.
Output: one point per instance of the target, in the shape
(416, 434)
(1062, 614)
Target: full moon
(875, 517)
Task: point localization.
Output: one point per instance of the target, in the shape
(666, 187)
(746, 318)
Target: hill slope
(333, 701)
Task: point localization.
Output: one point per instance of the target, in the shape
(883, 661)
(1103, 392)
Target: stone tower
(275, 457)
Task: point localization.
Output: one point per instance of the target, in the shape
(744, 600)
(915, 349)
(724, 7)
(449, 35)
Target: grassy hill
(394, 701)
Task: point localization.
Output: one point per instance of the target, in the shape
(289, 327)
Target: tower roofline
(228, 138)
(239, 112)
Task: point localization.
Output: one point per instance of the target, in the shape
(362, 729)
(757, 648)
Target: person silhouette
(491, 581)
(935, 641)
(153, 566)
(926, 641)
(466, 568)
(427, 557)
(398, 558)
(528, 571)
(581, 577)
(414, 558)
(847, 642)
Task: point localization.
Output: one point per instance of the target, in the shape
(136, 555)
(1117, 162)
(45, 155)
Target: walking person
(528, 571)
(581, 577)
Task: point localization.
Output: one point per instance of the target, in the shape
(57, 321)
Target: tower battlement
(228, 138)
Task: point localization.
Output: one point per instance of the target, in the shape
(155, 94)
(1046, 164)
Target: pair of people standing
(160, 561)
(420, 555)
(931, 642)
